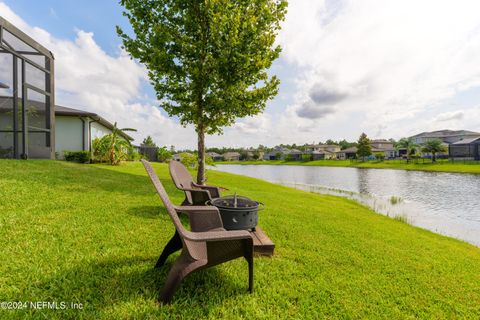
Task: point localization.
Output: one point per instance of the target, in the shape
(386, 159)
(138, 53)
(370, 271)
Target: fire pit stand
(238, 213)
(241, 213)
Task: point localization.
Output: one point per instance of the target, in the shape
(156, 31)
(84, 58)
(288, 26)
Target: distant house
(250, 155)
(349, 153)
(321, 155)
(215, 156)
(332, 148)
(465, 149)
(384, 146)
(447, 136)
(293, 155)
(278, 153)
(231, 156)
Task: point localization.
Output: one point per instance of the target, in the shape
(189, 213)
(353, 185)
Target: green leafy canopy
(208, 59)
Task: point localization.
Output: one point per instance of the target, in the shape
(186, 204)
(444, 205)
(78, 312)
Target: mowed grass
(420, 165)
(91, 234)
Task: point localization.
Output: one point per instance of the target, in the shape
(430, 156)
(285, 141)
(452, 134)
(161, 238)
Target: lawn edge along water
(441, 166)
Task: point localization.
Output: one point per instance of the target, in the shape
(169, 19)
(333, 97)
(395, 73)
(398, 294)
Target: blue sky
(384, 67)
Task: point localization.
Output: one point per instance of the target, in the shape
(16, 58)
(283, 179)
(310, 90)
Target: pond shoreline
(440, 166)
(441, 202)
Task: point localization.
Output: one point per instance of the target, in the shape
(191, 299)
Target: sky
(384, 67)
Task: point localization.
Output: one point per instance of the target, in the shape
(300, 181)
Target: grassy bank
(91, 234)
(426, 165)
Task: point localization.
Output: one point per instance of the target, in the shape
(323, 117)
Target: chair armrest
(218, 235)
(202, 218)
(214, 191)
(199, 196)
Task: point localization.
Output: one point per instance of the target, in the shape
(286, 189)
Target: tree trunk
(201, 156)
(433, 157)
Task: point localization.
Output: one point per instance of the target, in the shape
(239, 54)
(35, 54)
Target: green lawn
(91, 234)
(421, 165)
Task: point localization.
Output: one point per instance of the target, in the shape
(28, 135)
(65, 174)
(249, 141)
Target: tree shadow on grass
(102, 284)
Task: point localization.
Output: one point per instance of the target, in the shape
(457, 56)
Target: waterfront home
(231, 156)
(385, 146)
(447, 136)
(293, 155)
(465, 149)
(321, 155)
(349, 153)
(277, 153)
(215, 156)
(250, 155)
(331, 148)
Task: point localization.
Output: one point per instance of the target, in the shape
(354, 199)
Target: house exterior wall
(68, 134)
(98, 130)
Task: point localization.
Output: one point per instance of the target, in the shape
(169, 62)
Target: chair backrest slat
(164, 196)
(181, 178)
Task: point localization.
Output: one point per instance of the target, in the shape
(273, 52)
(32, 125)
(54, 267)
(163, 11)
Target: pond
(446, 203)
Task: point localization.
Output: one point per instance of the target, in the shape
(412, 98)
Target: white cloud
(449, 116)
(393, 60)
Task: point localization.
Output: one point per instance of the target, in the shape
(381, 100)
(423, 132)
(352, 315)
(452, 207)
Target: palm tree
(118, 146)
(433, 146)
(408, 144)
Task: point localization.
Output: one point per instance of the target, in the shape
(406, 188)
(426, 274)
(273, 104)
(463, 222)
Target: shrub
(191, 160)
(77, 156)
(100, 150)
(163, 154)
(306, 157)
(380, 156)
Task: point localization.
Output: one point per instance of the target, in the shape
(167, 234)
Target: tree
(409, 145)
(148, 142)
(118, 147)
(364, 149)
(163, 154)
(330, 142)
(433, 146)
(344, 144)
(112, 148)
(207, 59)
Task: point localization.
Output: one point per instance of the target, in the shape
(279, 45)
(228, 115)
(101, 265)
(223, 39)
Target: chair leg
(172, 246)
(250, 273)
(182, 267)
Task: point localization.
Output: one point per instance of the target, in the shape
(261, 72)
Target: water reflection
(446, 203)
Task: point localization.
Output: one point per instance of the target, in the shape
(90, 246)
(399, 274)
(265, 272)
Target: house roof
(214, 154)
(231, 154)
(294, 151)
(65, 111)
(468, 140)
(322, 146)
(380, 141)
(445, 133)
(349, 150)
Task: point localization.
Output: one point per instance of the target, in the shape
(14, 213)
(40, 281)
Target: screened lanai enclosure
(26, 96)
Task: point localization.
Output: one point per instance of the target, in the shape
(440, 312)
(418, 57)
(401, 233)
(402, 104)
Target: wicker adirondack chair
(195, 194)
(206, 245)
